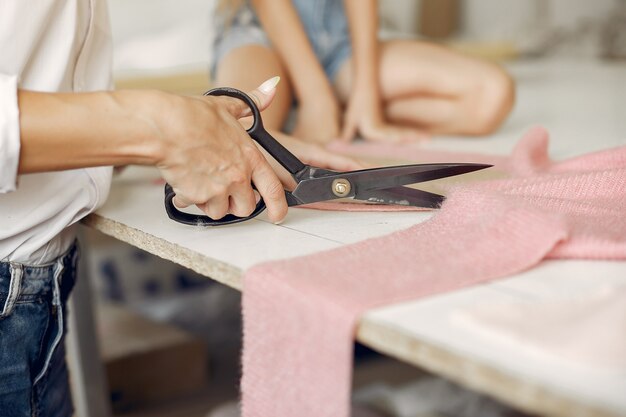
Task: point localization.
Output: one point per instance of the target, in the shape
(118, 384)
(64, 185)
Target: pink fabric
(300, 314)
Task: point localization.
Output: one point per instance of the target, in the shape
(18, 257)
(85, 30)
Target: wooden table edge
(474, 374)
(203, 265)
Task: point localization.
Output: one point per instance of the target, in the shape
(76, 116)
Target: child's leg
(441, 91)
(248, 66)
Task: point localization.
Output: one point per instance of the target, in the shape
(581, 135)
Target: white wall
(510, 19)
(160, 35)
(401, 14)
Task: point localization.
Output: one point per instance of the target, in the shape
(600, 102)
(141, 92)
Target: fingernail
(279, 221)
(269, 85)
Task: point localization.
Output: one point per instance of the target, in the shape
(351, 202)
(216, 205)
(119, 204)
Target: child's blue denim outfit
(33, 373)
(324, 21)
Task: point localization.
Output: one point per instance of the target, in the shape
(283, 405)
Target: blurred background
(170, 36)
(170, 338)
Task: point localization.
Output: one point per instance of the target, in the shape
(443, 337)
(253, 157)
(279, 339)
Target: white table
(583, 106)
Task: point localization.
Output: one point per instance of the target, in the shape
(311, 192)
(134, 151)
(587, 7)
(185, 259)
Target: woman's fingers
(216, 207)
(242, 202)
(181, 202)
(271, 190)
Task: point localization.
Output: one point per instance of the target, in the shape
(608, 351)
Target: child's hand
(364, 116)
(319, 119)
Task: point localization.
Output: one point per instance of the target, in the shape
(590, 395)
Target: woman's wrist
(134, 118)
(153, 109)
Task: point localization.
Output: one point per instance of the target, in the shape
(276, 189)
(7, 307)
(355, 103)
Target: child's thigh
(411, 67)
(420, 67)
(246, 67)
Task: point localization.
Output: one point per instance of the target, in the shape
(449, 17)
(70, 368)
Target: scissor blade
(320, 186)
(402, 196)
(390, 177)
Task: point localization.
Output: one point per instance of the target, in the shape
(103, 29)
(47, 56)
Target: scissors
(378, 185)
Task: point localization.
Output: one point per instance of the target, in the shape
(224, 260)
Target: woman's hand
(209, 159)
(364, 116)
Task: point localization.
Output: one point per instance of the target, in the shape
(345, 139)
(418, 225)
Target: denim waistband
(25, 283)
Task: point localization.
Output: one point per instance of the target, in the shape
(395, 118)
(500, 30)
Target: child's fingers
(348, 132)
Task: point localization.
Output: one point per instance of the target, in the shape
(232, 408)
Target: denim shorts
(33, 373)
(324, 21)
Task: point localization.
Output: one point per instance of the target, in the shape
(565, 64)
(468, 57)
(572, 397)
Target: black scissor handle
(202, 220)
(258, 132)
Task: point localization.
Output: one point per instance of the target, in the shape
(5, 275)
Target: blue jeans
(324, 21)
(33, 373)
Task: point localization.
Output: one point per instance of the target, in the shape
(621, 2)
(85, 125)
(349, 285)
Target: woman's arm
(196, 142)
(62, 131)
(319, 111)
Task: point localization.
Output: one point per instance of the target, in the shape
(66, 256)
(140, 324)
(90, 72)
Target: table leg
(88, 381)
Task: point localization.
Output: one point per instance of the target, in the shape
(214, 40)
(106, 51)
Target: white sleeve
(9, 133)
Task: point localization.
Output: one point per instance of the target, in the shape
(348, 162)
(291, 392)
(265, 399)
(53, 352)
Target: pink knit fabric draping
(300, 314)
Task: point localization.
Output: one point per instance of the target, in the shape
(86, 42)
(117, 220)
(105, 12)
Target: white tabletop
(581, 104)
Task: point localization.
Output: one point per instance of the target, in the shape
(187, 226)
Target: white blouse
(47, 45)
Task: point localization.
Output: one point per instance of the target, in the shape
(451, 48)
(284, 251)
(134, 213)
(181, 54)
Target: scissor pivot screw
(341, 187)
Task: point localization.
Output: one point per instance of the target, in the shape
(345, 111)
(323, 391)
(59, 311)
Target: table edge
(217, 270)
(474, 374)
